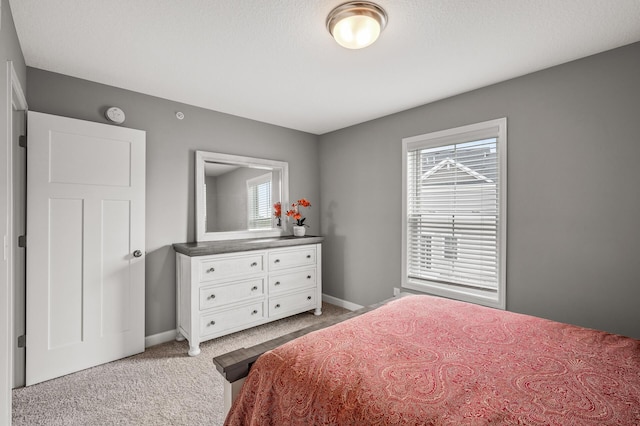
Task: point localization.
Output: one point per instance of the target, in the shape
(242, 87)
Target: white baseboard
(341, 303)
(156, 339)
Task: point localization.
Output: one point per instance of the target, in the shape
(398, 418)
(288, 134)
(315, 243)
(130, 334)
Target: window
(454, 213)
(259, 193)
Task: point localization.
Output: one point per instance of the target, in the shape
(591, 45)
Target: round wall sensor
(115, 115)
(179, 115)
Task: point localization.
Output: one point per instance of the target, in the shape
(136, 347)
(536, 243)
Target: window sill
(480, 297)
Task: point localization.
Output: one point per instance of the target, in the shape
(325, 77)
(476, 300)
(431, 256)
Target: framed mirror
(235, 196)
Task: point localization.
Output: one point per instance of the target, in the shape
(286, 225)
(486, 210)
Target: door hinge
(22, 241)
(22, 341)
(22, 141)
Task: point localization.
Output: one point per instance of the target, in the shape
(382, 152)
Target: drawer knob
(308, 256)
(254, 288)
(212, 323)
(254, 264)
(255, 311)
(276, 261)
(213, 296)
(308, 277)
(308, 297)
(211, 270)
(277, 306)
(277, 283)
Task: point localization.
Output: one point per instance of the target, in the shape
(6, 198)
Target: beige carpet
(162, 386)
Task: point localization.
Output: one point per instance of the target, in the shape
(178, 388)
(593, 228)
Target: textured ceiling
(275, 62)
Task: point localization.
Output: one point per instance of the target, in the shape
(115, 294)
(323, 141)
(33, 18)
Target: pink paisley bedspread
(424, 360)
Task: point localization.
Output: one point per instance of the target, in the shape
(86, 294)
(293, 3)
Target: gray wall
(573, 184)
(171, 146)
(9, 51)
(573, 192)
(212, 202)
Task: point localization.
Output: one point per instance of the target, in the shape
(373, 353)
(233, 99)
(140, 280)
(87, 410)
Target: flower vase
(298, 231)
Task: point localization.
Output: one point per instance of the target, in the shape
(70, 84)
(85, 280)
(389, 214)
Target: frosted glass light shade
(355, 25)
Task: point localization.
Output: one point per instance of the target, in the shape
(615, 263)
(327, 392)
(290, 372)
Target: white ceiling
(274, 61)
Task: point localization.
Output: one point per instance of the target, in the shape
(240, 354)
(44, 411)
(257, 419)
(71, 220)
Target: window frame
(488, 129)
(254, 184)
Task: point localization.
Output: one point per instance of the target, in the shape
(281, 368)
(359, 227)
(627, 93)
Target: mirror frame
(201, 227)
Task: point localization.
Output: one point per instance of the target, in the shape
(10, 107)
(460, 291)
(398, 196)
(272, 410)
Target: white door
(85, 244)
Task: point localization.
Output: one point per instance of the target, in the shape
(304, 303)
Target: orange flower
(295, 212)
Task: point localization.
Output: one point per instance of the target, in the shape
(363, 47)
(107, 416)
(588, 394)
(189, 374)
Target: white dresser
(244, 283)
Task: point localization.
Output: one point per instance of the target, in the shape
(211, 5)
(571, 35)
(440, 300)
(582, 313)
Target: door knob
(137, 253)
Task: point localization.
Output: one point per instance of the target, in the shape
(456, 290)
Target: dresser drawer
(220, 295)
(236, 318)
(292, 303)
(292, 280)
(291, 258)
(229, 267)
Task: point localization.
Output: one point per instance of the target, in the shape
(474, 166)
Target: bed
(425, 360)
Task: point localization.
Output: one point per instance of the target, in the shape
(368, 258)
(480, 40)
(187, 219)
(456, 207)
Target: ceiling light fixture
(356, 24)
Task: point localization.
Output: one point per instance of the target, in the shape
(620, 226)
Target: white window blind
(453, 213)
(260, 205)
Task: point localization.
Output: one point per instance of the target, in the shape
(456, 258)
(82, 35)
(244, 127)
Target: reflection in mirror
(235, 196)
(244, 189)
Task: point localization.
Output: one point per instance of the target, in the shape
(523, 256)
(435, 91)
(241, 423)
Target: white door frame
(15, 100)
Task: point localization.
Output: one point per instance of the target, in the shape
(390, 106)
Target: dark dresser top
(205, 248)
